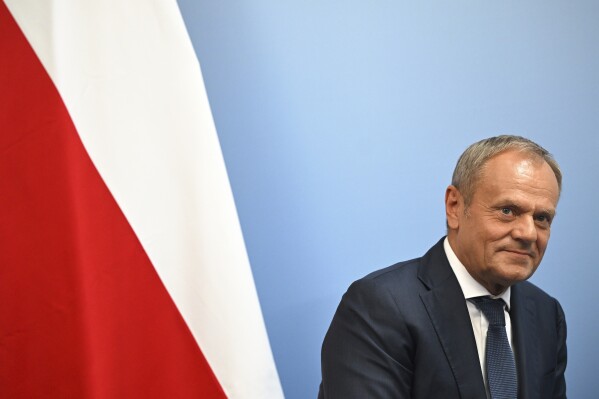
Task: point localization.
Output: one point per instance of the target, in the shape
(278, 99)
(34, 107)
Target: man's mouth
(520, 252)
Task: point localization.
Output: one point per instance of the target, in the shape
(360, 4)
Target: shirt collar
(470, 287)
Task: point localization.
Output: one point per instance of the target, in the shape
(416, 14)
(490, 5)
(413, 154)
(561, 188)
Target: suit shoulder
(402, 281)
(398, 279)
(400, 270)
(539, 296)
(533, 291)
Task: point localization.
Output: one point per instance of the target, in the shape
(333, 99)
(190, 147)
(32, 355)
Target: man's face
(501, 237)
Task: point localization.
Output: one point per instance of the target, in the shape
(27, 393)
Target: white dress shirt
(472, 288)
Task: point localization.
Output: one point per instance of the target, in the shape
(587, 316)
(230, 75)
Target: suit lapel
(448, 312)
(526, 343)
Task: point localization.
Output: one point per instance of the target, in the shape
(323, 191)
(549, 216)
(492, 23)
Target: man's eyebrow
(547, 211)
(505, 203)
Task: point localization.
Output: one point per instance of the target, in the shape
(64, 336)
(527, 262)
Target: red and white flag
(123, 271)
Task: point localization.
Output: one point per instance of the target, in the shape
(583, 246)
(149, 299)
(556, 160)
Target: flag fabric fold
(123, 271)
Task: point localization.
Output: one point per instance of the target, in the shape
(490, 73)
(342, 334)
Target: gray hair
(471, 164)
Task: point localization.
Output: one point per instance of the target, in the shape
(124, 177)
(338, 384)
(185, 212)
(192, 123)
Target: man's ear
(454, 204)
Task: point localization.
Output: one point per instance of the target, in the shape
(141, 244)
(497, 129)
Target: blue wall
(341, 122)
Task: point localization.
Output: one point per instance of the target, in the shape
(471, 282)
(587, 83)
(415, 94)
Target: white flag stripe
(129, 77)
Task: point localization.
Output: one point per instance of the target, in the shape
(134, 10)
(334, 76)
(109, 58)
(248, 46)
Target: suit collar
(435, 269)
(447, 310)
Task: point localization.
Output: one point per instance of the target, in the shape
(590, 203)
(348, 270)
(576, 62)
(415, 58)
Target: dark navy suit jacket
(405, 332)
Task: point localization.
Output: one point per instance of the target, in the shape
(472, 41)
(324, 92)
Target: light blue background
(341, 121)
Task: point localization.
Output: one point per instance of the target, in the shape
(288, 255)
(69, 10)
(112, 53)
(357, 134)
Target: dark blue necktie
(501, 368)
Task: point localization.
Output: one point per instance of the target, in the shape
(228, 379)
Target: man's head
(471, 164)
(499, 209)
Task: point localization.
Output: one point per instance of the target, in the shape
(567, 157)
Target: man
(462, 322)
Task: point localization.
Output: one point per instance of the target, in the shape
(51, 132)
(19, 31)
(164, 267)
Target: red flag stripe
(82, 310)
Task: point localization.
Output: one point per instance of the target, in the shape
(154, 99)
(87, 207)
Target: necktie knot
(491, 308)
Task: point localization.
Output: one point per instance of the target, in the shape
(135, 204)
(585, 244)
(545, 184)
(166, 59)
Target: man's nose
(525, 229)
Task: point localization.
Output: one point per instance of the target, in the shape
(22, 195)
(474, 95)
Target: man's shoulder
(397, 280)
(408, 267)
(526, 294)
(380, 295)
(409, 275)
(530, 290)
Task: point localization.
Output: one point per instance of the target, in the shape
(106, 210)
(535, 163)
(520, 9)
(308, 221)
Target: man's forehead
(530, 195)
(513, 165)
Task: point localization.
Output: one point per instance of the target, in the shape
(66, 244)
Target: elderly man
(461, 321)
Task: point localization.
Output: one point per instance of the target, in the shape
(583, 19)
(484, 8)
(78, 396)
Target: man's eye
(543, 219)
(506, 211)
